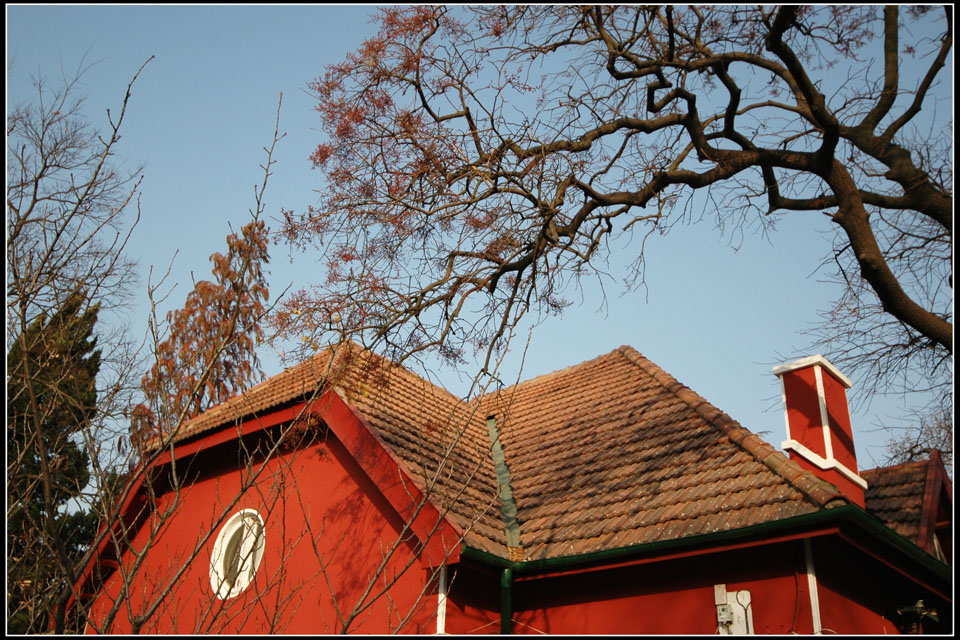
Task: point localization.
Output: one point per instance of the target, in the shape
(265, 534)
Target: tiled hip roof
(615, 452)
(609, 453)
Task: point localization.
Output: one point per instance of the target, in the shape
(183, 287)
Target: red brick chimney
(819, 435)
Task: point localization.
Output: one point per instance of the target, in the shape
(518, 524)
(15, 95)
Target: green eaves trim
(848, 514)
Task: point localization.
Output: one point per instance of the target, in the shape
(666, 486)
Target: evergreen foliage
(51, 389)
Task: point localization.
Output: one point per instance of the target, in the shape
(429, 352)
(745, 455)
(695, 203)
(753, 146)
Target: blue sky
(716, 318)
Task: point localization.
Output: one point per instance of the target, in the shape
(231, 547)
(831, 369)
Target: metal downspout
(506, 600)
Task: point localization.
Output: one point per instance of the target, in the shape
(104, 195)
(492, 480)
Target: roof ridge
(543, 376)
(817, 490)
(189, 427)
(394, 366)
(323, 364)
(898, 466)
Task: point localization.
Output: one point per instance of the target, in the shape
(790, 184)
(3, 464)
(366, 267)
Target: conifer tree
(52, 368)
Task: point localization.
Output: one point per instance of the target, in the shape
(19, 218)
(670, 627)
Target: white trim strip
(812, 587)
(824, 419)
(823, 463)
(786, 412)
(442, 601)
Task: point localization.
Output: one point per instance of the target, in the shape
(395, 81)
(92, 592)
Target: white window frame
(248, 556)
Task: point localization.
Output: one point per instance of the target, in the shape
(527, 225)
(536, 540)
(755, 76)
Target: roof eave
(819, 523)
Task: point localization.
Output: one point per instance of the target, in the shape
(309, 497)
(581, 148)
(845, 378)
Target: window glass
(237, 554)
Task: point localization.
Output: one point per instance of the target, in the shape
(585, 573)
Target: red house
(347, 493)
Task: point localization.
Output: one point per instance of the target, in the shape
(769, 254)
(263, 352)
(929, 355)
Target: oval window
(236, 554)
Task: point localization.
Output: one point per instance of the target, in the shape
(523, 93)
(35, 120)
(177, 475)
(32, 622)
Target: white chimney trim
(823, 463)
(824, 419)
(779, 370)
(786, 412)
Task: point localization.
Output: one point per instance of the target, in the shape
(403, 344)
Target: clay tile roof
(297, 382)
(895, 495)
(609, 453)
(617, 447)
(421, 423)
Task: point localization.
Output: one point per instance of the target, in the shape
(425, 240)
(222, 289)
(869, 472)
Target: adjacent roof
(906, 497)
(609, 453)
(895, 495)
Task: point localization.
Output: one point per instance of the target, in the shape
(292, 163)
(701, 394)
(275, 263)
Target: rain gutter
(800, 526)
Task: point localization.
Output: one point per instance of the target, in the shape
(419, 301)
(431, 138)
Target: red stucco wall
(675, 596)
(860, 595)
(317, 505)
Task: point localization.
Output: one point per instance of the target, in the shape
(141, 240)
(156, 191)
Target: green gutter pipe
(506, 600)
(838, 515)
